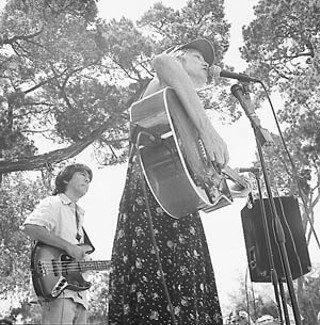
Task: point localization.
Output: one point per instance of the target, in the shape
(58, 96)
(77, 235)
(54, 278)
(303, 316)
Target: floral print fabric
(137, 294)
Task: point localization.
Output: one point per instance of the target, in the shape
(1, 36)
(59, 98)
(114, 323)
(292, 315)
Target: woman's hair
(179, 53)
(66, 174)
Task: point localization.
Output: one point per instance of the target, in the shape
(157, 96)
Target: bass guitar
(53, 271)
(174, 159)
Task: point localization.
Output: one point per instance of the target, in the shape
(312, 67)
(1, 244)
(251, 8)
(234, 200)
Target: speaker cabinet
(256, 244)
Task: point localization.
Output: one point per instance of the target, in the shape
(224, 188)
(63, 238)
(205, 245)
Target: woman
(162, 273)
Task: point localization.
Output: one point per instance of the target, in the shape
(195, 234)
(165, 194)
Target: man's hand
(240, 191)
(41, 234)
(78, 252)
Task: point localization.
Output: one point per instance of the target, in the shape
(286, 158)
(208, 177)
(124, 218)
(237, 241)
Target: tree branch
(55, 156)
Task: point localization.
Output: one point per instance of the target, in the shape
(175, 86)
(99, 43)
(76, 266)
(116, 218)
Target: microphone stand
(273, 273)
(263, 137)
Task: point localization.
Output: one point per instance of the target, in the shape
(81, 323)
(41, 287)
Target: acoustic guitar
(176, 166)
(53, 271)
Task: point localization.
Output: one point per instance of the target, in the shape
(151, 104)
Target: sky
(223, 227)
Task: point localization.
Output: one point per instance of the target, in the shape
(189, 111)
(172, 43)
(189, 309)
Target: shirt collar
(66, 200)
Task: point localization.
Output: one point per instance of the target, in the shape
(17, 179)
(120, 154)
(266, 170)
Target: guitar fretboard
(94, 265)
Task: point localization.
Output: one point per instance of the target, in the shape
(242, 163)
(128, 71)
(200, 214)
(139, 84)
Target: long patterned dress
(137, 292)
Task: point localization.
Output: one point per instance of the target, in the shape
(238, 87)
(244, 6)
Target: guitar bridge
(42, 269)
(59, 287)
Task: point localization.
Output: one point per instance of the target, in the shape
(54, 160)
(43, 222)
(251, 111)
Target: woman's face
(196, 67)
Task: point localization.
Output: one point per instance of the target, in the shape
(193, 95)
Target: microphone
(237, 92)
(217, 72)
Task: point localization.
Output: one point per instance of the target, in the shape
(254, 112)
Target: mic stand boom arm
(263, 137)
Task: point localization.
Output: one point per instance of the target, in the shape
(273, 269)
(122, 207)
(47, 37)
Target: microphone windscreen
(215, 71)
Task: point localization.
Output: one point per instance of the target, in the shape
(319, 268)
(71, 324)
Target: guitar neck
(94, 265)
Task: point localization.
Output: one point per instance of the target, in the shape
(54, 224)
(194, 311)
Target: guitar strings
(50, 268)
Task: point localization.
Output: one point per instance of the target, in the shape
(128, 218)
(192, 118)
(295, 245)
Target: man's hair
(66, 174)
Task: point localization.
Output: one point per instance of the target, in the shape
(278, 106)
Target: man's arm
(40, 233)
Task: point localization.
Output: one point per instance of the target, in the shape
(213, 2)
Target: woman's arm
(170, 72)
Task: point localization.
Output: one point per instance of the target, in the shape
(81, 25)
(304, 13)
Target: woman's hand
(215, 146)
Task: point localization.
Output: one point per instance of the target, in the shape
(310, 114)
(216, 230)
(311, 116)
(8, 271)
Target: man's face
(196, 67)
(79, 183)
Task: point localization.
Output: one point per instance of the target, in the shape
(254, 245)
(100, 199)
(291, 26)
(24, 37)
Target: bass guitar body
(176, 168)
(53, 271)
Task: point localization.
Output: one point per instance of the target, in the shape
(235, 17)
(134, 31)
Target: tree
(51, 65)
(18, 197)
(71, 77)
(281, 48)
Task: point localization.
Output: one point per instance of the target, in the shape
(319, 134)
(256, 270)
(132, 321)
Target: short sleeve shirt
(58, 215)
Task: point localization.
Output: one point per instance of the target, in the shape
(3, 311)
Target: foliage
(50, 75)
(18, 197)
(282, 47)
(198, 19)
(65, 73)
(260, 298)
(99, 298)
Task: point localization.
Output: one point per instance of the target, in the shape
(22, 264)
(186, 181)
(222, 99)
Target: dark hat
(201, 45)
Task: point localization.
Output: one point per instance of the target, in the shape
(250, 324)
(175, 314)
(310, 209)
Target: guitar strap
(134, 149)
(135, 129)
(87, 241)
(154, 241)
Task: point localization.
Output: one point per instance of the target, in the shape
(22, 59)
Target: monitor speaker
(256, 244)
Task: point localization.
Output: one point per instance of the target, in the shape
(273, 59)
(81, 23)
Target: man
(162, 272)
(57, 221)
